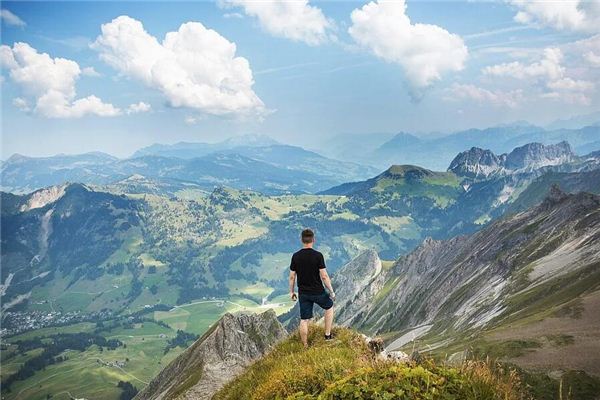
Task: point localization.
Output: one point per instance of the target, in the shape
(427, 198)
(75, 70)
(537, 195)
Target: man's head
(308, 237)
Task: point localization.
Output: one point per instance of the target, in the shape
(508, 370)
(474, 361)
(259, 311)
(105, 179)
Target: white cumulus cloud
(191, 120)
(424, 51)
(295, 20)
(90, 71)
(21, 104)
(548, 67)
(495, 97)
(572, 15)
(140, 107)
(570, 84)
(192, 67)
(550, 75)
(50, 82)
(11, 19)
(592, 58)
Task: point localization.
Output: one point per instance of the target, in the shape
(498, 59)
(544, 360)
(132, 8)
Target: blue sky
(300, 74)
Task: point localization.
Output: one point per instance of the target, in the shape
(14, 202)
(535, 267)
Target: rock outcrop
(478, 163)
(356, 284)
(218, 356)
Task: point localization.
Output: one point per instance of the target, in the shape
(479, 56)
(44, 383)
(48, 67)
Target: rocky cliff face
(537, 155)
(478, 163)
(359, 282)
(489, 277)
(475, 163)
(217, 357)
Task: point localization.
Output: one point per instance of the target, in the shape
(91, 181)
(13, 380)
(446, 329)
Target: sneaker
(329, 337)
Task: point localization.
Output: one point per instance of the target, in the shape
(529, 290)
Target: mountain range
(436, 151)
(480, 250)
(217, 242)
(247, 163)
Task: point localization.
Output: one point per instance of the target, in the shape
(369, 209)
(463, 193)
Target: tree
(128, 390)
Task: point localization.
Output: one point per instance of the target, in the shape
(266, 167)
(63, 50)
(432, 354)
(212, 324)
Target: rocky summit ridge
(218, 356)
(480, 163)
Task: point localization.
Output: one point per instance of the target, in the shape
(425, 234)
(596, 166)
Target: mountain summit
(478, 163)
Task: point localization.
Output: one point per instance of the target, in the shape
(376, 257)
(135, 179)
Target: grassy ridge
(346, 369)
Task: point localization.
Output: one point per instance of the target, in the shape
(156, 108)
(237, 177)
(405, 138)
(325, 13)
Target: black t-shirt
(307, 263)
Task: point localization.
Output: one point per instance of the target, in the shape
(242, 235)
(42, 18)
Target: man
(308, 265)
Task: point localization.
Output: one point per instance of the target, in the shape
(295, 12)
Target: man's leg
(328, 321)
(304, 331)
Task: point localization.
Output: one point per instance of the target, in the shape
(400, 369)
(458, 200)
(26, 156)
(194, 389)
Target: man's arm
(292, 281)
(327, 282)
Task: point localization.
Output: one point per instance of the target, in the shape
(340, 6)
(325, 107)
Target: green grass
(273, 266)
(503, 349)
(197, 318)
(346, 369)
(387, 287)
(83, 376)
(560, 340)
(542, 300)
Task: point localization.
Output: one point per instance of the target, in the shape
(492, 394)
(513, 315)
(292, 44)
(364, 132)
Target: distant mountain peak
(577, 203)
(482, 163)
(250, 139)
(537, 155)
(403, 170)
(475, 163)
(16, 157)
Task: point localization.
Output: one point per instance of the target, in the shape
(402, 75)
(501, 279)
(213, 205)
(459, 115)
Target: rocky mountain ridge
(217, 357)
(536, 261)
(478, 163)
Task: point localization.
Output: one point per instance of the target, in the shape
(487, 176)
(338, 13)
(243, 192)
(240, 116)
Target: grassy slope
(346, 369)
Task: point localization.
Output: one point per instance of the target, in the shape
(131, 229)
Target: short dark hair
(308, 236)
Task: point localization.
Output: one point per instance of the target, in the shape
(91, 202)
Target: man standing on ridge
(308, 265)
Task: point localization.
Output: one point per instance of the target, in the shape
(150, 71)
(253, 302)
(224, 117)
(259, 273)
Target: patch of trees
(53, 346)
(183, 339)
(134, 266)
(86, 235)
(154, 289)
(191, 292)
(128, 391)
(127, 321)
(115, 269)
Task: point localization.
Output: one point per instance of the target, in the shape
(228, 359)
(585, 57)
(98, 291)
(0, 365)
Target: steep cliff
(218, 356)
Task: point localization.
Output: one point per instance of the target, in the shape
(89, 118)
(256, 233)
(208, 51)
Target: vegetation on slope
(346, 369)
